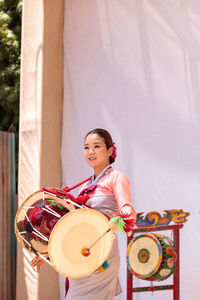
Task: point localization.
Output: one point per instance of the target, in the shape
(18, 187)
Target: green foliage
(10, 41)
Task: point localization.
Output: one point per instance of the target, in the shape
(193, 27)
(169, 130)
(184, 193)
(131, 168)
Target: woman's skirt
(98, 286)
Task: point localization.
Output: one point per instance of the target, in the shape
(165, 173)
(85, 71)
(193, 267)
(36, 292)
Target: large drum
(36, 218)
(151, 257)
(50, 227)
(78, 230)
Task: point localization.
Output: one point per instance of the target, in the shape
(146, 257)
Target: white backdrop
(133, 67)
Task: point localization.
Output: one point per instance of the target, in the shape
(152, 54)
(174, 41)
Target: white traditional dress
(111, 193)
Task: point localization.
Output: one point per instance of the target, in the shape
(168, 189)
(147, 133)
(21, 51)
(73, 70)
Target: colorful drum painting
(151, 257)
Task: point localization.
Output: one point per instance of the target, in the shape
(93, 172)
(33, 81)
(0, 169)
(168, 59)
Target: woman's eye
(85, 148)
(97, 146)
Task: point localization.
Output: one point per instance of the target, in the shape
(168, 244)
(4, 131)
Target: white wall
(133, 67)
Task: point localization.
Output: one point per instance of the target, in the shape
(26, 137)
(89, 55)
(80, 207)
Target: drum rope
(67, 199)
(35, 231)
(42, 256)
(24, 239)
(51, 211)
(47, 209)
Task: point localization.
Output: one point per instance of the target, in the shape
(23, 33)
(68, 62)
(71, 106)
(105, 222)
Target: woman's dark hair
(107, 139)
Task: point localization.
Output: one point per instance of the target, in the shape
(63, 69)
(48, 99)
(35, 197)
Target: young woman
(109, 193)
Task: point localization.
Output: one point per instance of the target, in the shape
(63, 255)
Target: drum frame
(25, 206)
(176, 278)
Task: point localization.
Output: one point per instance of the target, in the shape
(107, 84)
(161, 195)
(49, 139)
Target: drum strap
(67, 189)
(65, 192)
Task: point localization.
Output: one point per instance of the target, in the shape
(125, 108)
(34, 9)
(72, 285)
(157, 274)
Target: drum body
(80, 228)
(36, 218)
(151, 257)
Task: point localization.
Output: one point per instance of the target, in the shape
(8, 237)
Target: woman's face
(95, 152)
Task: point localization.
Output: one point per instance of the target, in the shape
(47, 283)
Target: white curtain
(133, 67)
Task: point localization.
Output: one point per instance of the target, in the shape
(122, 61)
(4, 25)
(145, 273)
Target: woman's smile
(91, 158)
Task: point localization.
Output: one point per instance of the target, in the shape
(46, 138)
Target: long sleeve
(121, 189)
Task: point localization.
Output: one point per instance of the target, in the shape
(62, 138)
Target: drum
(151, 257)
(75, 231)
(36, 218)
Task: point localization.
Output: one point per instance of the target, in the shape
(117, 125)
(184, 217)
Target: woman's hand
(113, 226)
(123, 219)
(127, 210)
(37, 261)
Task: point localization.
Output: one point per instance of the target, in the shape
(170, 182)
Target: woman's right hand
(113, 226)
(37, 261)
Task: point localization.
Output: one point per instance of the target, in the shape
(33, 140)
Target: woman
(109, 193)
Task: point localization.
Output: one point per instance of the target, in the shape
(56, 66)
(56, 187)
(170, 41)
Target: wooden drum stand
(151, 223)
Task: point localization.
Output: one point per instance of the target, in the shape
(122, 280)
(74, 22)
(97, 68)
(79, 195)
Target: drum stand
(175, 286)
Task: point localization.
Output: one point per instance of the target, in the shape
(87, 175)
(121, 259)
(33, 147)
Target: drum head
(30, 205)
(77, 230)
(144, 255)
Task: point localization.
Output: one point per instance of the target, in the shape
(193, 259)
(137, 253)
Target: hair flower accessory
(114, 154)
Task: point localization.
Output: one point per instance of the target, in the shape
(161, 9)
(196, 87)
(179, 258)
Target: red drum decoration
(36, 218)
